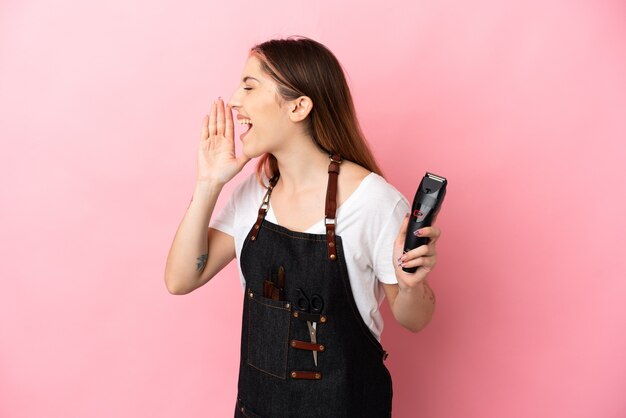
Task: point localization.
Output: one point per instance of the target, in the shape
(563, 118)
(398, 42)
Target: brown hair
(303, 67)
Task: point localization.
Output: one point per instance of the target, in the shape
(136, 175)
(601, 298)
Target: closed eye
(247, 88)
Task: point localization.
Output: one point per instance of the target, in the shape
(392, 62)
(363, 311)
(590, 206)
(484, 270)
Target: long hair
(303, 67)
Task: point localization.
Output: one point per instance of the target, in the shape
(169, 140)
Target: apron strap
(331, 205)
(264, 207)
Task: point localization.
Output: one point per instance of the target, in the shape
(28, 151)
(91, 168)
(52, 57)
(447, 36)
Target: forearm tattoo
(428, 293)
(201, 264)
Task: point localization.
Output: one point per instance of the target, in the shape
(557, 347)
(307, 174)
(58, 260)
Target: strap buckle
(265, 204)
(332, 160)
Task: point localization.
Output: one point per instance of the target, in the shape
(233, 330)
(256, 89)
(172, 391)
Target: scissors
(312, 305)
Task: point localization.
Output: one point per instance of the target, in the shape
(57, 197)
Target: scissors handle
(302, 302)
(314, 304)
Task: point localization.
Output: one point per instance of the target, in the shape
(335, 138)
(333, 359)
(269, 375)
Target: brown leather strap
(312, 317)
(303, 345)
(263, 209)
(331, 205)
(305, 375)
(331, 190)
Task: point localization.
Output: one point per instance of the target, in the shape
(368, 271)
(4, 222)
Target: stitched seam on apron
(266, 372)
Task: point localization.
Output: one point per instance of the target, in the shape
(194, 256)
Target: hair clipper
(426, 205)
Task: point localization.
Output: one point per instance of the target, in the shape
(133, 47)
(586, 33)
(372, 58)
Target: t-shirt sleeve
(225, 219)
(383, 250)
(241, 207)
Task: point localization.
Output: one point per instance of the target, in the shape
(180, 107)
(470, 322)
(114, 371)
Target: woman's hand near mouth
(217, 162)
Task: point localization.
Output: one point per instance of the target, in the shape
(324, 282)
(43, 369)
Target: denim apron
(278, 376)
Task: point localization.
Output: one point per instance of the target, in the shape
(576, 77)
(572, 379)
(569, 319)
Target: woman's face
(256, 101)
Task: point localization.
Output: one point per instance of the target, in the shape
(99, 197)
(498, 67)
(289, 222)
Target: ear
(300, 108)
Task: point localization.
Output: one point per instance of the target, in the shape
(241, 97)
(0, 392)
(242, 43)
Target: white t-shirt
(368, 223)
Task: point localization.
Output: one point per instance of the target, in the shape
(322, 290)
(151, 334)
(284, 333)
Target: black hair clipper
(426, 205)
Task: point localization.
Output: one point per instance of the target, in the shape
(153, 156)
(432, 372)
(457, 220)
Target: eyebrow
(246, 78)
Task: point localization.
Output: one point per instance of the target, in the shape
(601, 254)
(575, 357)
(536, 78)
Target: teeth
(245, 122)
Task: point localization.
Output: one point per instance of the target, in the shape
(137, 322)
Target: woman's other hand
(423, 257)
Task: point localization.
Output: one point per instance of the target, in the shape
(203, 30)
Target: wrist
(206, 189)
(419, 292)
(414, 289)
(207, 183)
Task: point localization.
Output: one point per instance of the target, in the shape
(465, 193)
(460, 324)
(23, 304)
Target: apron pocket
(268, 334)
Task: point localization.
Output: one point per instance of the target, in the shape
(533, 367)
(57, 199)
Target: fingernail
(417, 232)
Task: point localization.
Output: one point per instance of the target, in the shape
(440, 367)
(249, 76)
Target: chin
(251, 152)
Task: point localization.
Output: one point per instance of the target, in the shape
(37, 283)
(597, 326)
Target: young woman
(318, 235)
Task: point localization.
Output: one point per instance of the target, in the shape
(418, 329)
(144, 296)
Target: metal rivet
(295, 314)
(333, 256)
(256, 226)
(322, 348)
(293, 343)
(294, 374)
(318, 376)
(251, 294)
(287, 305)
(322, 319)
(252, 238)
(331, 244)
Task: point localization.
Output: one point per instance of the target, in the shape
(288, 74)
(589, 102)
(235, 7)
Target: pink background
(521, 104)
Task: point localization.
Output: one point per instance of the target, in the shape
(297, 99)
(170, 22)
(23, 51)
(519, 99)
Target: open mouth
(245, 122)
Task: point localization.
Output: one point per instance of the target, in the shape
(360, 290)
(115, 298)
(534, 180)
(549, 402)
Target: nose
(235, 100)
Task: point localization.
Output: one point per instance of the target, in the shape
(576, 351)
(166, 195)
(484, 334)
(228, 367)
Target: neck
(302, 167)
